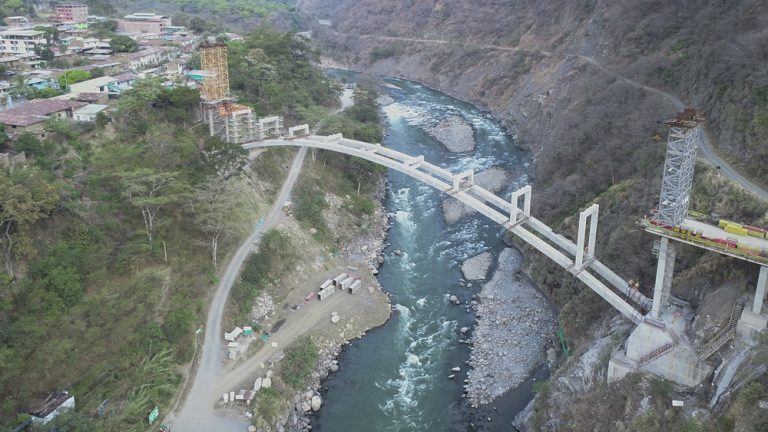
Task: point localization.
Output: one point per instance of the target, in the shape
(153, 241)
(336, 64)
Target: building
(16, 21)
(95, 85)
(143, 23)
(147, 58)
(71, 12)
(56, 403)
(31, 116)
(20, 41)
(88, 113)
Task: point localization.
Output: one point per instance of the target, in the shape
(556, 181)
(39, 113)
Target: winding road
(707, 150)
(198, 413)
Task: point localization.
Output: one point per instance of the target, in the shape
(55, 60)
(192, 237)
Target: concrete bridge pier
(754, 320)
(664, 274)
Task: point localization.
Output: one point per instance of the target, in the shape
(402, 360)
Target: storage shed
(326, 292)
(337, 280)
(355, 286)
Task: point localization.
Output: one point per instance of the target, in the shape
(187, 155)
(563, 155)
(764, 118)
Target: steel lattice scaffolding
(213, 59)
(684, 135)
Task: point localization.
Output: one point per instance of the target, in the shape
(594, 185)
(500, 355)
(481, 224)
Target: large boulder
(317, 402)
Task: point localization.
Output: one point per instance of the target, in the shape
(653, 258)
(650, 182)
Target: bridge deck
(490, 205)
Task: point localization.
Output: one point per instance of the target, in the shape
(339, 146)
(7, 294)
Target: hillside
(586, 85)
(116, 233)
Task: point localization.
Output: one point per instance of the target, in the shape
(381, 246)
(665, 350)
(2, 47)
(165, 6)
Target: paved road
(198, 414)
(707, 150)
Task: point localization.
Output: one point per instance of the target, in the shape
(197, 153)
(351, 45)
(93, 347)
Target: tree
(223, 159)
(51, 33)
(220, 209)
(73, 76)
(97, 72)
(150, 191)
(25, 198)
(120, 43)
(44, 52)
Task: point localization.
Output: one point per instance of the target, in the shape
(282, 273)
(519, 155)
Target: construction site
(226, 119)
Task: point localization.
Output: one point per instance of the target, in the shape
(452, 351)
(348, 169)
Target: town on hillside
(66, 63)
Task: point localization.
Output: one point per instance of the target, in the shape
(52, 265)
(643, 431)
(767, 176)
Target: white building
(88, 113)
(20, 41)
(96, 85)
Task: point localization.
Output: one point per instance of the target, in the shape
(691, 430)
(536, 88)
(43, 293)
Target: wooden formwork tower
(213, 58)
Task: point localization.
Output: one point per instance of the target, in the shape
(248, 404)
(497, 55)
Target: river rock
(257, 385)
(477, 267)
(492, 179)
(515, 320)
(456, 369)
(455, 134)
(334, 367)
(317, 402)
(335, 318)
(306, 407)
(266, 383)
(453, 299)
(251, 428)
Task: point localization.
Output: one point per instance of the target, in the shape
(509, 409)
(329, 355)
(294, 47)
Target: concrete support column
(664, 273)
(591, 214)
(524, 192)
(762, 283)
(210, 122)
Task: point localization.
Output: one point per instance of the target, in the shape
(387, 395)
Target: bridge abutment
(753, 321)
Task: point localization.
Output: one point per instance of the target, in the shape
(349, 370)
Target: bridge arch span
(578, 259)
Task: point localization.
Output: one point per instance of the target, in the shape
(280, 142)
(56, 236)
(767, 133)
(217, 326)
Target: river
(395, 378)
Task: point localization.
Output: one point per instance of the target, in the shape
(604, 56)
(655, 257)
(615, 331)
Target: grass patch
(299, 361)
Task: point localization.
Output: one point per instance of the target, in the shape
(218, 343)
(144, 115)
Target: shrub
(298, 363)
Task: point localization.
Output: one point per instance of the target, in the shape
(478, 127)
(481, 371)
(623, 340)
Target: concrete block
(750, 323)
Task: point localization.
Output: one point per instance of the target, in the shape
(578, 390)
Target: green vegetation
(269, 404)
(73, 76)
(243, 8)
(103, 269)
(276, 255)
(120, 43)
(276, 73)
(299, 361)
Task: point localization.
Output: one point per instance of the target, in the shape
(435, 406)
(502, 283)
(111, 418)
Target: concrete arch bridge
(514, 215)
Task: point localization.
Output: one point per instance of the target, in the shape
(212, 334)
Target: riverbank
(364, 250)
(515, 321)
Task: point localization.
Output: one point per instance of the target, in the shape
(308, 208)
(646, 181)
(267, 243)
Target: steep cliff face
(551, 67)
(585, 84)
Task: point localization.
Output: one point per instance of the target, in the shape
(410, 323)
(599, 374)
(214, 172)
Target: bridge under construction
(658, 344)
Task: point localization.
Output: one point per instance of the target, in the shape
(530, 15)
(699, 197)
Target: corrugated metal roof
(36, 111)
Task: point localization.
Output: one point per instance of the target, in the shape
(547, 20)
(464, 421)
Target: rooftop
(127, 77)
(21, 33)
(91, 109)
(97, 82)
(143, 16)
(35, 111)
(49, 404)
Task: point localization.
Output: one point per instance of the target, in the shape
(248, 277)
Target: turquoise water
(395, 379)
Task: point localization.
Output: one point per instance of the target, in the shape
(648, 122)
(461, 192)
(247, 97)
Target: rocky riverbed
(455, 134)
(493, 179)
(514, 322)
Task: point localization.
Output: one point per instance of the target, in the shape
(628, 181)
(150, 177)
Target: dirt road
(197, 414)
(707, 150)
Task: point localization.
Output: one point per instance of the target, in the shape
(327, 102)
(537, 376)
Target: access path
(198, 414)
